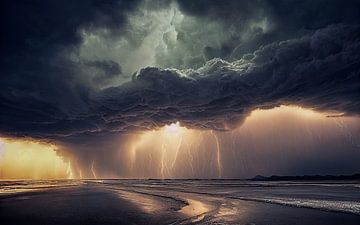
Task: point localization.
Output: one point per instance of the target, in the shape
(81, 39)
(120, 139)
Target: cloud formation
(86, 74)
(51, 89)
(319, 71)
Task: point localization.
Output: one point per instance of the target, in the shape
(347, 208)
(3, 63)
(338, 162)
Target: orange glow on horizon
(172, 151)
(27, 159)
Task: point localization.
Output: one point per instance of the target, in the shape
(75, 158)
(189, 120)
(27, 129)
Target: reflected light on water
(196, 209)
(147, 204)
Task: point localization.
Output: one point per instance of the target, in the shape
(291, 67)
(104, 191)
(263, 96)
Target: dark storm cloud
(290, 13)
(45, 94)
(102, 71)
(266, 21)
(38, 82)
(319, 71)
(61, 65)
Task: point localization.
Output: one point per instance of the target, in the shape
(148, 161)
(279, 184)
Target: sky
(179, 89)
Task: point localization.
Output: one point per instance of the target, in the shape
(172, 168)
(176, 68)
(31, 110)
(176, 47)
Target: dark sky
(89, 71)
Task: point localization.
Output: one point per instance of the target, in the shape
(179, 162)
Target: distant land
(306, 177)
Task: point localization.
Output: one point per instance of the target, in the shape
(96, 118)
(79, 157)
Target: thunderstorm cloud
(93, 76)
(96, 71)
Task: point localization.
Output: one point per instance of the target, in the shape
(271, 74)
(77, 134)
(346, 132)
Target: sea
(178, 201)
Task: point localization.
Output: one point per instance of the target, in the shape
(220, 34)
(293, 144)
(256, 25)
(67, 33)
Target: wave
(327, 205)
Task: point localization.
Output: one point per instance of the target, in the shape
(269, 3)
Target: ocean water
(185, 201)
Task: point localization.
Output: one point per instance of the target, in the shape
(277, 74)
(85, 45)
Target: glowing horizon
(30, 159)
(159, 153)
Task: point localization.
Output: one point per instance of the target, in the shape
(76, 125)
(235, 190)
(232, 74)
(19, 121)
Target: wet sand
(95, 203)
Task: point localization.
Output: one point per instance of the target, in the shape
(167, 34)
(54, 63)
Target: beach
(179, 202)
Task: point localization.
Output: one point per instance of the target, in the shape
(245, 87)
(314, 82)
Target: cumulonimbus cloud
(321, 71)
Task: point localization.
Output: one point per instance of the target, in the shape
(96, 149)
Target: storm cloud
(90, 71)
(320, 71)
(88, 75)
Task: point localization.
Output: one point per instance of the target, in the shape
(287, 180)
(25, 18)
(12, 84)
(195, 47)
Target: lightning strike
(177, 151)
(93, 169)
(218, 160)
(163, 150)
(191, 158)
(133, 156)
(69, 171)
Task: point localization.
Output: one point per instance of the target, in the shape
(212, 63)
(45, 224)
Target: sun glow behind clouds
(295, 111)
(173, 128)
(25, 159)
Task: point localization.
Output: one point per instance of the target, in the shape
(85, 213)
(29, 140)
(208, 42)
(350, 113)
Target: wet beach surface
(179, 202)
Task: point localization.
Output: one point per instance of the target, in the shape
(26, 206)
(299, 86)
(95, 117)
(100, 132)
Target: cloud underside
(320, 71)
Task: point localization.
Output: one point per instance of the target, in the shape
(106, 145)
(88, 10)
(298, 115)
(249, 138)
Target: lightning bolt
(191, 158)
(133, 156)
(218, 159)
(80, 173)
(233, 144)
(92, 169)
(69, 171)
(177, 151)
(150, 160)
(198, 147)
(163, 150)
